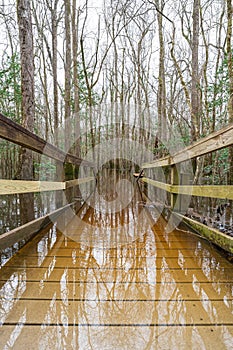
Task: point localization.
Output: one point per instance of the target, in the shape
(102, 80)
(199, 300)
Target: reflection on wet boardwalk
(143, 289)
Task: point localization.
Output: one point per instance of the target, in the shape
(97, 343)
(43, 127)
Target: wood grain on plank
(11, 131)
(213, 191)
(211, 143)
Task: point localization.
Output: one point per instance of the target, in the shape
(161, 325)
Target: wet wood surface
(111, 277)
(213, 142)
(212, 191)
(11, 131)
(23, 186)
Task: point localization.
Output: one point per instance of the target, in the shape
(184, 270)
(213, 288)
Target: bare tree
(230, 58)
(195, 95)
(67, 73)
(161, 99)
(230, 75)
(28, 98)
(75, 18)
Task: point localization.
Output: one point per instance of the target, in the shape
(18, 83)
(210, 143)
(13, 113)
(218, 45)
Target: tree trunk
(67, 76)
(54, 69)
(28, 100)
(230, 75)
(195, 109)
(68, 132)
(161, 99)
(77, 139)
(59, 167)
(75, 79)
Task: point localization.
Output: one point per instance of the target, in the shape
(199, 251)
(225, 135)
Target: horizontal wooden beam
(17, 134)
(212, 191)
(23, 186)
(162, 185)
(80, 181)
(219, 238)
(211, 143)
(157, 163)
(215, 191)
(29, 230)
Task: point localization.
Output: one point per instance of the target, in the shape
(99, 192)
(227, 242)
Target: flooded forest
(118, 83)
(116, 174)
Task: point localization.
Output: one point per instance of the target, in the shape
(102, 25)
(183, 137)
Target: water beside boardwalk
(110, 277)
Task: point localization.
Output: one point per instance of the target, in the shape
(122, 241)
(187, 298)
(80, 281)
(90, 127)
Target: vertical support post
(69, 175)
(144, 184)
(184, 198)
(174, 181)
(60, 176)
(181, 197)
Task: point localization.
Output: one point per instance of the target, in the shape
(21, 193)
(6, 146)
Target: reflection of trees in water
(9, 212)
(12, 289)
(10, 209)
(113, 214)
(116, 275)
(85, 287)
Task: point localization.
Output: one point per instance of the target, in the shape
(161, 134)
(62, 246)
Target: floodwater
(110, 277)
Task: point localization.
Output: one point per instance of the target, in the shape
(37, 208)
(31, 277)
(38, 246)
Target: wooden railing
(17, 134)
(212, 143)
(13, 132)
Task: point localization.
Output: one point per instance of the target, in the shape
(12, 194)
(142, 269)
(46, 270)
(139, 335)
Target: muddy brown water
(110, 277)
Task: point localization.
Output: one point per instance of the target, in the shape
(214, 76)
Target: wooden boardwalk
(142, 290)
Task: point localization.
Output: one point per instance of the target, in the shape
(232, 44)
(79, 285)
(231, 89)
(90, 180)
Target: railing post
(60, 176)
(174, 181)
(69, 175)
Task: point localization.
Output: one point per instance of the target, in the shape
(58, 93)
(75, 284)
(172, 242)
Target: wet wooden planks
(151, 293)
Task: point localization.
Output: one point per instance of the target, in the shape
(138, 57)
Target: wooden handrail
(213, 191)
(213, 142)
(11, 131)
(30, 229)
(24, 186)
(75, 182)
